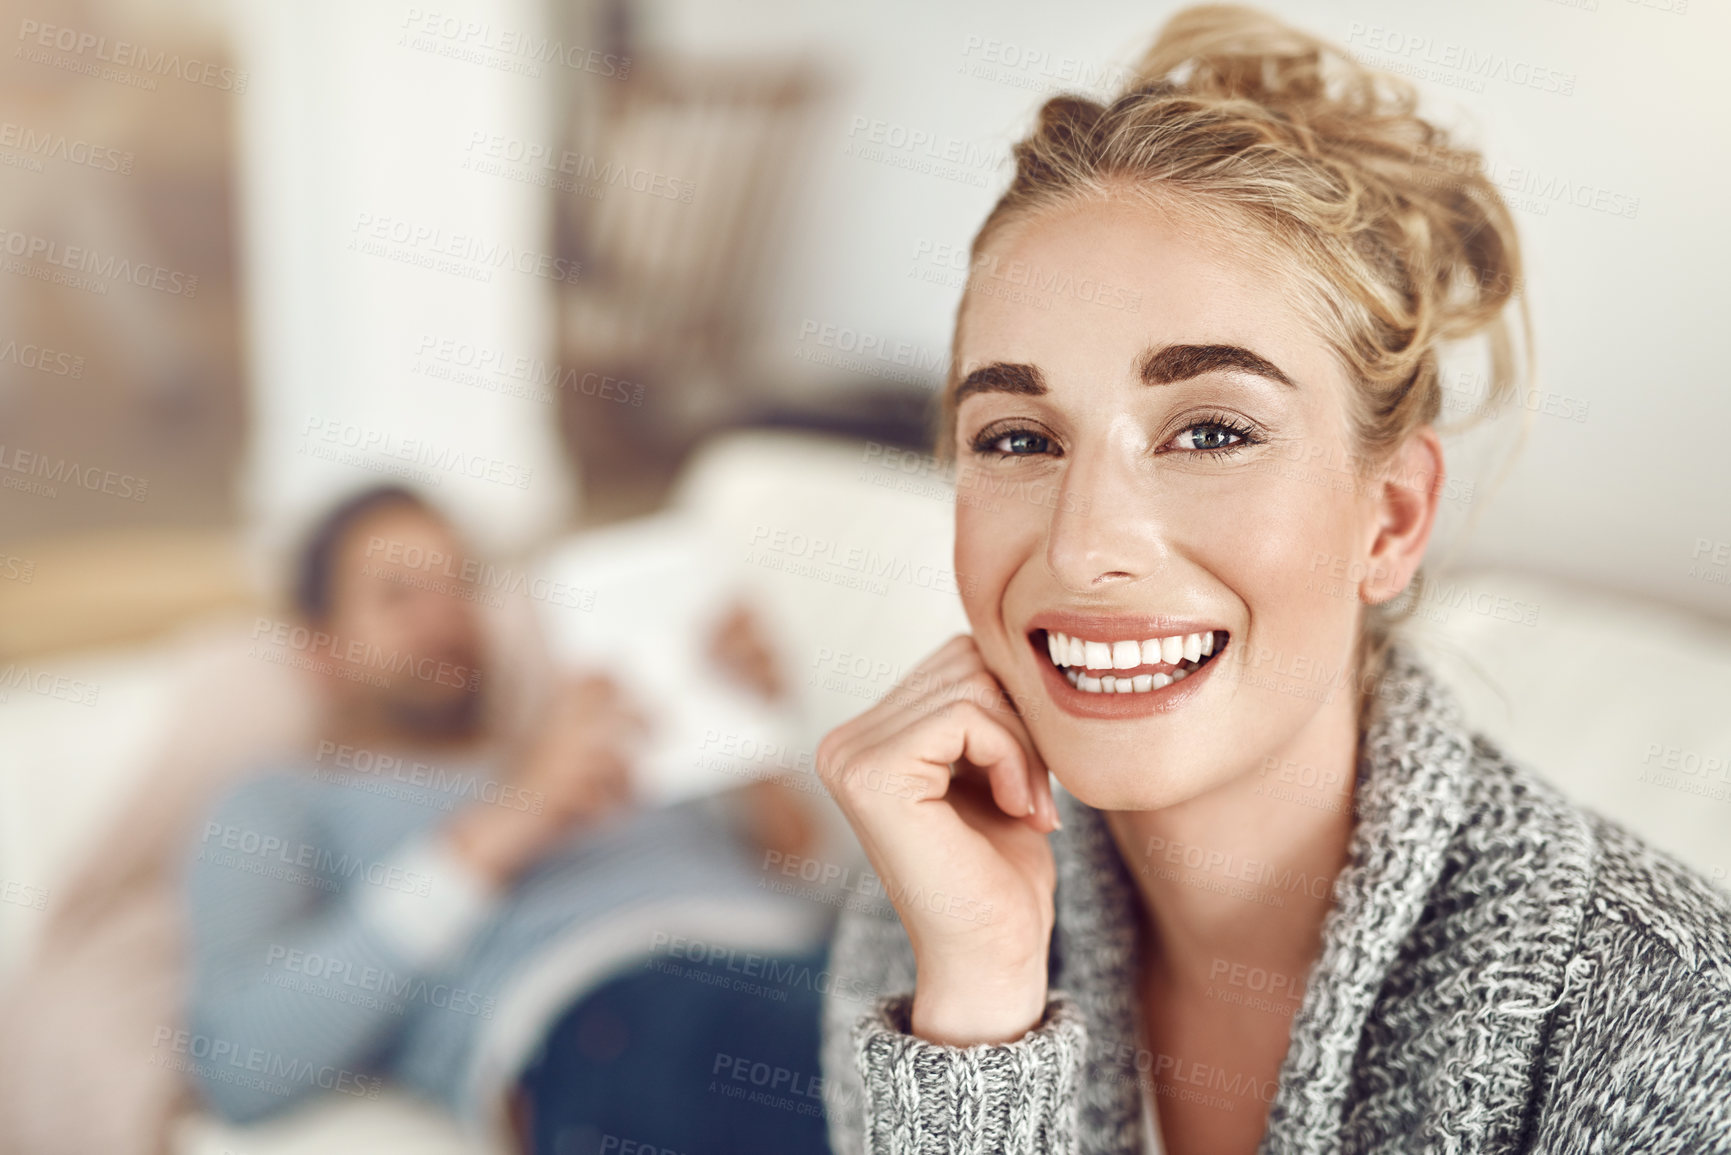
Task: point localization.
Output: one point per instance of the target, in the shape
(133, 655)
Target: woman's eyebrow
(1158, 366)
(1169, 363)
(1002, 377)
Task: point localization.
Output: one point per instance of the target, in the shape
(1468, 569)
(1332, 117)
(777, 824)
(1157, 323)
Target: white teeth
(1072, 655)
(1140, 684)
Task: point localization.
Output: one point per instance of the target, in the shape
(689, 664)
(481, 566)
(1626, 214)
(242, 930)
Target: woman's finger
(955, 671)
(915, 695)
(984, 690)
(1039, 781)
(961, 733)
(952, 675)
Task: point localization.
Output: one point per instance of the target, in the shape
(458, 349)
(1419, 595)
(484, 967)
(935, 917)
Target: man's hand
(577, 769)
(740, 650)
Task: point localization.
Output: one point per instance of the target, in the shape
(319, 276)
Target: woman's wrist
(967, 1009)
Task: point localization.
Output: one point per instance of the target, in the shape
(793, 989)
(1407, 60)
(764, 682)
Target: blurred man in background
(398, 648)
(465, 906)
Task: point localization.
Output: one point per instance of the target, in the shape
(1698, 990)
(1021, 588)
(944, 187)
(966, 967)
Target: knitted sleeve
(886, 1090)
(923, 1098)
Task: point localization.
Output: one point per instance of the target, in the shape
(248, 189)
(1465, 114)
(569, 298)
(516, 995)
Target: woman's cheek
(985, 557)
(1282, 541)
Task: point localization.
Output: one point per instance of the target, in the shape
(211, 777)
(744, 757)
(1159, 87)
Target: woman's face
(1130, 474)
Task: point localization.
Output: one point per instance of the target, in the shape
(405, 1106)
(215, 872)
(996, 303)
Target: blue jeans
(677, 1057)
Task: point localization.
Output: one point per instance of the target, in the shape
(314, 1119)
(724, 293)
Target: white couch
(845, 548)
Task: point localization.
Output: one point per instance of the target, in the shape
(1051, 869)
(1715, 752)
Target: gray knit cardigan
(1500, 972)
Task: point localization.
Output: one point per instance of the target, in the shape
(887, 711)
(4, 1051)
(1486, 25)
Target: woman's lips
(1148, 666)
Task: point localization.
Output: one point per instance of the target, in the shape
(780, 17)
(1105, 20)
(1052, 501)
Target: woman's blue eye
(1209, 436)
(1021, 442)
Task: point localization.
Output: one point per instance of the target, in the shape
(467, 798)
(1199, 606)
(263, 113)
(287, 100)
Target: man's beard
(455, 717)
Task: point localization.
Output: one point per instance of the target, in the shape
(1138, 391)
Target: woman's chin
(1148, 789)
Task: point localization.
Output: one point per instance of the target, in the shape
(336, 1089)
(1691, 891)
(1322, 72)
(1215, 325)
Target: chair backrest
(696, 162)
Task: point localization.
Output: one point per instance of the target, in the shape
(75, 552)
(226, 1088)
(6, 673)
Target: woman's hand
(578, 768)
(962, 855)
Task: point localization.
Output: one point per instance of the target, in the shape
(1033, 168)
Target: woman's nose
(1103, 530)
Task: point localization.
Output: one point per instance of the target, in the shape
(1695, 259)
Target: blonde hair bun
(1402, 239)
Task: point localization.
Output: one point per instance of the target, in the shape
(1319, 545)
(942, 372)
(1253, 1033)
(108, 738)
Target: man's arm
(292, 982)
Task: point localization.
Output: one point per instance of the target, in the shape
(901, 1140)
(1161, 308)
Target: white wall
(349, 119)
(1628, 310)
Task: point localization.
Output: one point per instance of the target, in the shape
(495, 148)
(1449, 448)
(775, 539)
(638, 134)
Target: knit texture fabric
(1501, 971)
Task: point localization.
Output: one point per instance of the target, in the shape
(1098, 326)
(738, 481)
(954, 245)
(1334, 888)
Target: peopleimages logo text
(107, 266)
(125, 54)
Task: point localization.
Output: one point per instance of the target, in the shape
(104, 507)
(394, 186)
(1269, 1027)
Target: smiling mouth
(1130, 666)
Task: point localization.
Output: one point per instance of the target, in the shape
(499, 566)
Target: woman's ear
(1405, 501)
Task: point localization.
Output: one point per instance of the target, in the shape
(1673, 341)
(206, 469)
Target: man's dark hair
(318, 555)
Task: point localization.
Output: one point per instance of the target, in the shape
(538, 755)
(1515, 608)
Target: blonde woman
(1284, 901)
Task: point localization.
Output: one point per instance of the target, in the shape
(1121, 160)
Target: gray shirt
(335, 939)
(1501, 971)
